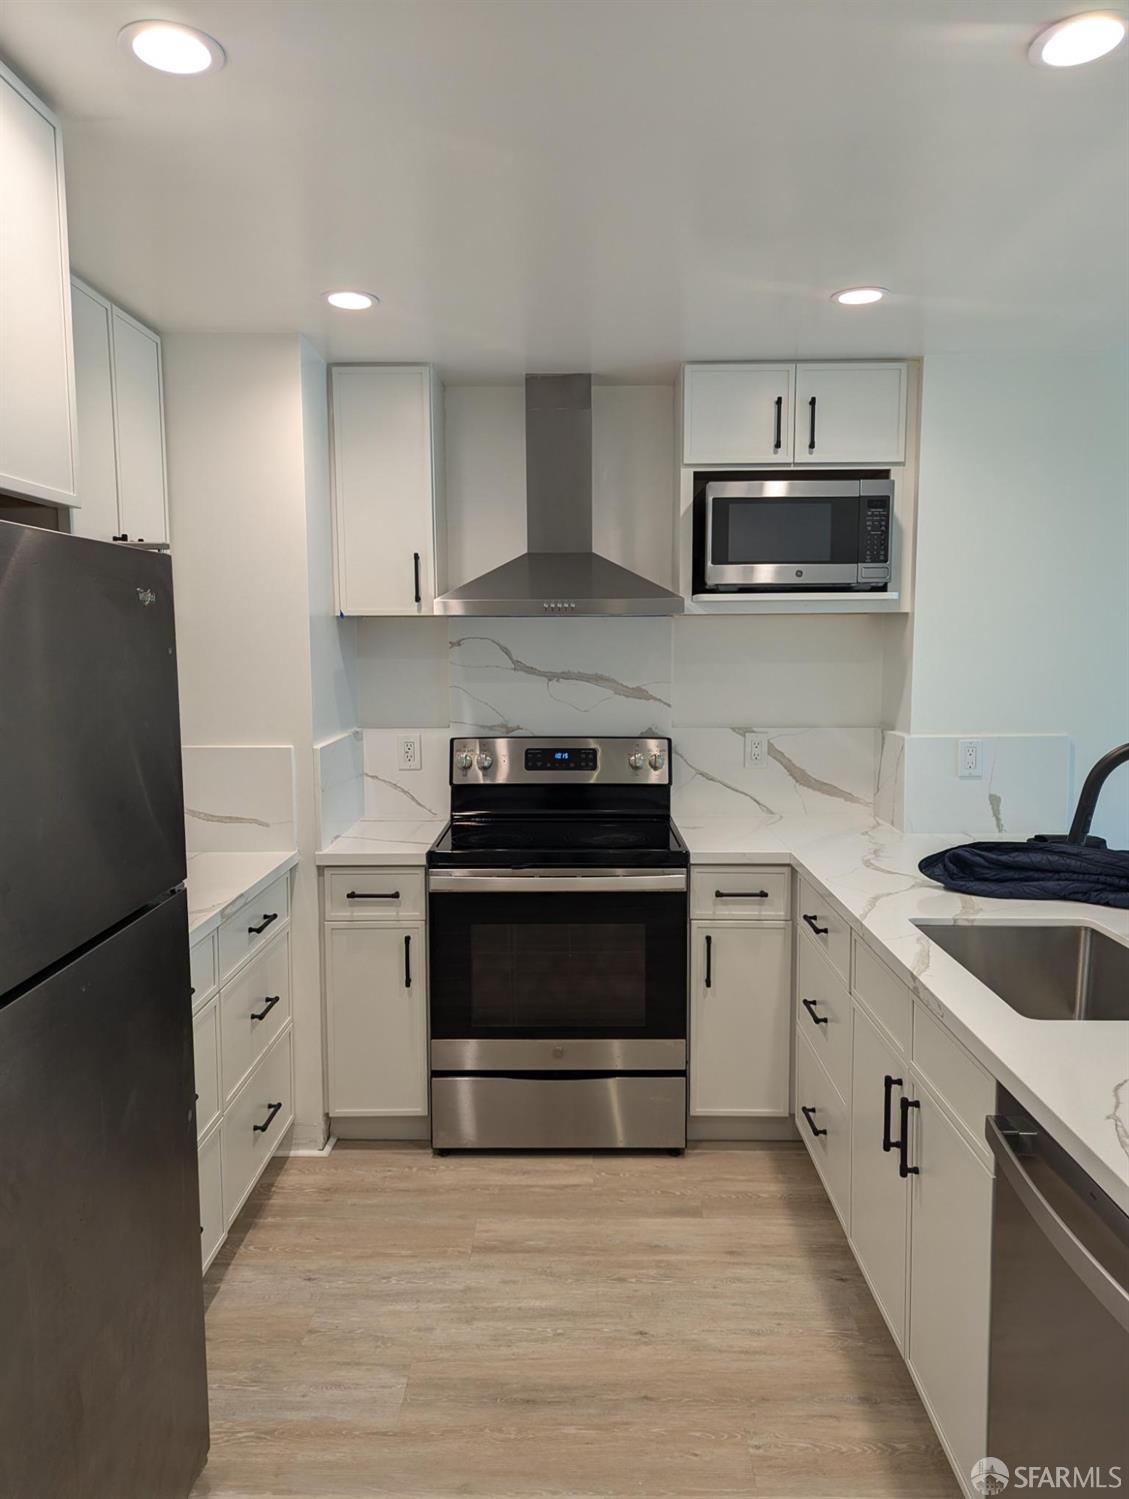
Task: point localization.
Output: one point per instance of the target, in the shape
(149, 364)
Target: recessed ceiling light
(1077, 39)
(351, 301)
(172, 48)
(858, 296)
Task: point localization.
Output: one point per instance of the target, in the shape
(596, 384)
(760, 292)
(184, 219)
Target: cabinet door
(737, 413)
(950, 1271)
(740, 988)
(94, 390)
(878, 1192)
(140, 427)
(37, 402)
(859, 414)
(376, 998)
(382, 489)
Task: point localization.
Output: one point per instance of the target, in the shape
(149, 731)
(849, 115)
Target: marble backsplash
(808, 770)
(339, 776)
(1024, 788)
(239, 798)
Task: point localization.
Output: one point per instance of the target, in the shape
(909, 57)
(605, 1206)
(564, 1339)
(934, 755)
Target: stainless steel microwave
(770, 535)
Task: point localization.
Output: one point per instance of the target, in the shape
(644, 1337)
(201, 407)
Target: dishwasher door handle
(1091, 1272)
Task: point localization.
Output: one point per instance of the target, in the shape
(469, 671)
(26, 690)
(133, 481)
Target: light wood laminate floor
(383, 1322)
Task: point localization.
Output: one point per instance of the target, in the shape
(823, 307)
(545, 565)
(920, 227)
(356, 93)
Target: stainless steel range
(557, 933)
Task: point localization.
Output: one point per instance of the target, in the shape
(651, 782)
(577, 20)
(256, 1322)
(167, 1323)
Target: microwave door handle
(778, 427)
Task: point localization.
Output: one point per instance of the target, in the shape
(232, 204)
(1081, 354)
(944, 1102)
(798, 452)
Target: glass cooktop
(567, 839)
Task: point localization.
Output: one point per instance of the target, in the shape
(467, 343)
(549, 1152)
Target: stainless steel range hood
(560, 573)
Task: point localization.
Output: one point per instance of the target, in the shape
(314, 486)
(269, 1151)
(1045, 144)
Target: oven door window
(804, 530)
(512, 965)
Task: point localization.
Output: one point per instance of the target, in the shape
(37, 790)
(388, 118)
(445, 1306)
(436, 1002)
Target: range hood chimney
(560, 573)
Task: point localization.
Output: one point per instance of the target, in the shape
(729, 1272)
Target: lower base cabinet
(211, 1194)
(376, 1002)
(824, 1123)
(740, 1018)
(879, 1197)
(254, 1122)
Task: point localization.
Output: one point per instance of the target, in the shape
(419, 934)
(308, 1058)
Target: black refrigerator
(103, 1387)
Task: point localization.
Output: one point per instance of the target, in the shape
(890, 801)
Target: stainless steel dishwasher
(1058, 1395)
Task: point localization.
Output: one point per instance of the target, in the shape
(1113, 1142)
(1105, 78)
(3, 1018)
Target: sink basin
(1044, 972)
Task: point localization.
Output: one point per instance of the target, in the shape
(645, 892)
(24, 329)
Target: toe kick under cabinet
(242, 1045)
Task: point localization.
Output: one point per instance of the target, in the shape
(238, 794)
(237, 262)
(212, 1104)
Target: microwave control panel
(876, 529)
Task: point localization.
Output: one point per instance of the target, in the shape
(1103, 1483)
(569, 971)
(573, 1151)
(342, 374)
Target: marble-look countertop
(219, 883)
(384, 840)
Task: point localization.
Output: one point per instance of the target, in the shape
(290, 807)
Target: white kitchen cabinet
(38, 437)
(851, 413)
(879, 1200)
(823, 1120)
(740, 1018)
(121, 474)
(376, 1002)
(389, 526)
(737, 413)
(949, 1277)
(211, 1195)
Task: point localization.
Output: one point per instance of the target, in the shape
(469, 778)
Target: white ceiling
(611, 185)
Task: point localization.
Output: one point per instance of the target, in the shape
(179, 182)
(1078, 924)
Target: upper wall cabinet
(387, 488)
(37, 400)
(845, 413)
(121, 446)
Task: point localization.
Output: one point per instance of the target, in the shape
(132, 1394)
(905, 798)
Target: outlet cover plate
(409, 752)
(756, 751)
(970, 759)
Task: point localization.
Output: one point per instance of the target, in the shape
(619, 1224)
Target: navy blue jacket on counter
(1033, 871)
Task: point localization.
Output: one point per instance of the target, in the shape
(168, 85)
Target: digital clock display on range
(560, 759)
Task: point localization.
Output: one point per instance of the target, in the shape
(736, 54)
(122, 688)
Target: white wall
(1022, 596)
(238, 462)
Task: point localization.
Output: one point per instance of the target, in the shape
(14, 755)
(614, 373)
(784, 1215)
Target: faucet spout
(1091, 789)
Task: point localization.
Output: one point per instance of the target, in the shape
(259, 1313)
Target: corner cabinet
(389, 524)
(122, 492)
(38, 437)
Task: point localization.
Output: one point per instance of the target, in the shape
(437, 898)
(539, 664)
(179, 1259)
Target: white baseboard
(382, 1127)
(741, 1127)
(314, 1150)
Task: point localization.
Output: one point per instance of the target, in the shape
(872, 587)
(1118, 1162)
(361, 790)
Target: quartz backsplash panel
(239, 798)
(1024, 787)
(807, 770)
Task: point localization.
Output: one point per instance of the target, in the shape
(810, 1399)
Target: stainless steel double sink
(1044, 972)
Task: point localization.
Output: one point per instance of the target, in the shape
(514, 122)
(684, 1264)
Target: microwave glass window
(775, 531)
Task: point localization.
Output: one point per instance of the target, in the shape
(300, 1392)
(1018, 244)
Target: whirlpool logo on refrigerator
(991, 1476)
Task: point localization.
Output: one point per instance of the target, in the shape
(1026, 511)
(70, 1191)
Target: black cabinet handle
(888, 1085)
(808, 1115)
(813, 922)
(269, 1002)
(415, 565)
(904, 1167)
(407, 962)
(272, 1110)
(811, 425)
(779, 424)
(372, 895)
(740, 895)
(253, 931)
(709, 961)
(809, 1006)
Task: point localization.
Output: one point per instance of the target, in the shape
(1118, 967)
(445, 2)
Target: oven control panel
(521, 760)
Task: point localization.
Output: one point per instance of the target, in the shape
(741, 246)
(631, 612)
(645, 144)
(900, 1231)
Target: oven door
(783, 534)
(558, 970)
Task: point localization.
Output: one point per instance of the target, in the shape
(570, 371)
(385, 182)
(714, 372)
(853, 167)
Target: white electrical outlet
(970, 759)
(756, 751)
(408, 753)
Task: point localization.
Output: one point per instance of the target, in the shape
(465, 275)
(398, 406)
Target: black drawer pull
(904, 1167)
(888, 1085)
(809, 1006)
(740, 895)
(811, 429)
(808, 1115)
(269, 1002)
(415, 564)
(407, 962)
(776, 431)
(253, 931)
(272, 1110)
(813, 922)
(709, 962)
(372, 895)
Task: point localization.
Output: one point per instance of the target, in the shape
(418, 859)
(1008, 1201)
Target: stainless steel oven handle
(552, 882)
(1090, 1271)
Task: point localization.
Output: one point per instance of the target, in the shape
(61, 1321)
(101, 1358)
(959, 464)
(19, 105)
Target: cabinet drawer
(883, 994)
(206, 1057)
(253, 925)
(745, 893)
(374, 894)
(960, 1082)
(211, 1195)
(254, 1006)
(255, 1122)
(827, 1111)
(825, 927)
(202, 967)
(823, 1014)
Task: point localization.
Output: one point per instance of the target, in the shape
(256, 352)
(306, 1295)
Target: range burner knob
(658, 760)
(464, 760)
(637, 760)
(485, 760)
